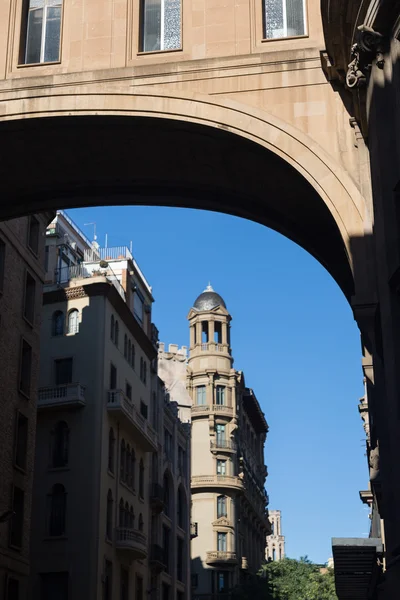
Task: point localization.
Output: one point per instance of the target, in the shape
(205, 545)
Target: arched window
(122, 465)
(144, 372)
(133, 469)
(57, 323)
(125, 346)
(111, 450)
(141, 479)
(128, 466)
(133, 356)
(109, 515)
(112, 327)
(58, 505)
(127, 515)
(129, 351)
(116, 333)
(121, 514)
(141, 523)
(132, 518)
(60, 449)
(73, 321)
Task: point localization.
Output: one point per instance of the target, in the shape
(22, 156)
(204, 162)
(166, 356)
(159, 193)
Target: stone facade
(275, 548)
(21, 281)
(108, 479)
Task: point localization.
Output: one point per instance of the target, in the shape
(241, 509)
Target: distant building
(275, 549)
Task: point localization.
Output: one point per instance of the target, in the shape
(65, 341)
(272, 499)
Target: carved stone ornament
(369, 46)
(374, 463)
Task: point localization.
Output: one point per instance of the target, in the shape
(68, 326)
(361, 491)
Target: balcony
(70, 395)
(221, 558)
(157, 497)
(223, 446)
(132, 542)
(216, 482)
(124, 408)
(200, 410)
(157, 563)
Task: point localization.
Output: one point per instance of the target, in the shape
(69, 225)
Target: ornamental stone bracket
(368, 47)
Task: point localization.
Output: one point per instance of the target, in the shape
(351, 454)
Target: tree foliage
(289, 579)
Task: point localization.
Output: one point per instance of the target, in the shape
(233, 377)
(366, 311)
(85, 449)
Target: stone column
(224, 333)
(192, 330)
(211, 330)
(198, 332)
(210, 389)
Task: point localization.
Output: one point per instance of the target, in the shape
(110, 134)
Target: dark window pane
(26, 367)
(63, 368)
(33, 234)
(17, 520)
(34, 36)
(113, 377)
(29, 304)
(151, 27)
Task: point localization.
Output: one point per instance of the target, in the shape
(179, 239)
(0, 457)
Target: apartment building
(21, 281)
(229, 515)
(98, 502)
(275, 548)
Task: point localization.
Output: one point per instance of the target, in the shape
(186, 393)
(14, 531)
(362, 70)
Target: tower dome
(208, 300)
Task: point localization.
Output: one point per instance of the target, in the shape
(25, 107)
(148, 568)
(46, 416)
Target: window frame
(23, 41)
(33, 219)
(284, 37)
(29, 318)
(222, 536)
(72, 311)
(203, 388)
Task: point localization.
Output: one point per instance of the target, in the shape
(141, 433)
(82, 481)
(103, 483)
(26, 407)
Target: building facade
(228, 472)
(97, 492)
(275, 548)
(21, 282)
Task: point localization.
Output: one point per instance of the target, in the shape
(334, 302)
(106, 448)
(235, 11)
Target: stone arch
(227, 157)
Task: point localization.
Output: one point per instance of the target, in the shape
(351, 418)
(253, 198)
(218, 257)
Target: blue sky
(293, 336)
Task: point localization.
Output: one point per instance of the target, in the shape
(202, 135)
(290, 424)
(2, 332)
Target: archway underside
(72, 161)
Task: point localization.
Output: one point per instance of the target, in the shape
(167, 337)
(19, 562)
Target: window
(139, 588)
(17, 520)
(201, 394)
(144, 372)
(284, 18)
(57, 323)
(273, 553)
(126, 515)
(60, 448)
(25, 368)
(42, 42)
(46, 259)
(141, 369)
(109, 515)
(12, 589)
(222, 581)
(220, 429)
(133, 468)
(141, 479)
(133, 356)
(143, 409)
(204, 332)
(125, 346)
(221, 507)
(181, 509)
(21, 440)
(128, 466)
(121, 517)
(54, 586)
(2, 263)
(221, 541)
(58, 506)
(138, 305)
(128, 391)
(221, 467)
(131, 518)
(220, 395)
(141, 522)
(166, 538)
(113, 377)
(73, 321)
(29, 298)
(122, 461)
(124, 591)
(107, 580)
(111, 450)
(34, 225)
(166, 497)
(218, 332)
(112, 327)
(116, 333)
(63, 371)
(179, 559)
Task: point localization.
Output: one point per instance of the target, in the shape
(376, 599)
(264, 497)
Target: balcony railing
(223, 445)
(216, 408)
(218, 481)
(221, 557)
(87, 271)
(132, 541)
(117, 401)
(61, 396)
(212, 346)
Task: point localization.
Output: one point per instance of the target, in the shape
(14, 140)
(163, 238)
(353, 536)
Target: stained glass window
(161, 27)
(284, 18)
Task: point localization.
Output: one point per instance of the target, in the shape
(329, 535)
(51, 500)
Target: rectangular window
(54, 586)
(284, 18)
(21, 440)
(17, 520)
(222, 581)
(46, 259)
(107, 580)
(63, 371)
(124, 591)
(220, 395)
(2, 263)
(161, 25)
(113, 377)
(33, 230)
(43, 29)
(221, 467)
(25, 368)
(143, 409)
(128, 391)
(221, 541)
(220, 430)
(139, 588)
(221, 507)
(201, 394)
(29, 298)
(138, 305)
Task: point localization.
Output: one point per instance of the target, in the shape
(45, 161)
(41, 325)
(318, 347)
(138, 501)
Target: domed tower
(215, 481)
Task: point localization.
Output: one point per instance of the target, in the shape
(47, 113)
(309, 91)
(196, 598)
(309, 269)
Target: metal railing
(217, 408)
(69, 392)
(65, 274)
(221, 555)
(223, 444)
(117, 399)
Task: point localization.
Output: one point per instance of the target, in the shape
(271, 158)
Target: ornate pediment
(222, 522)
